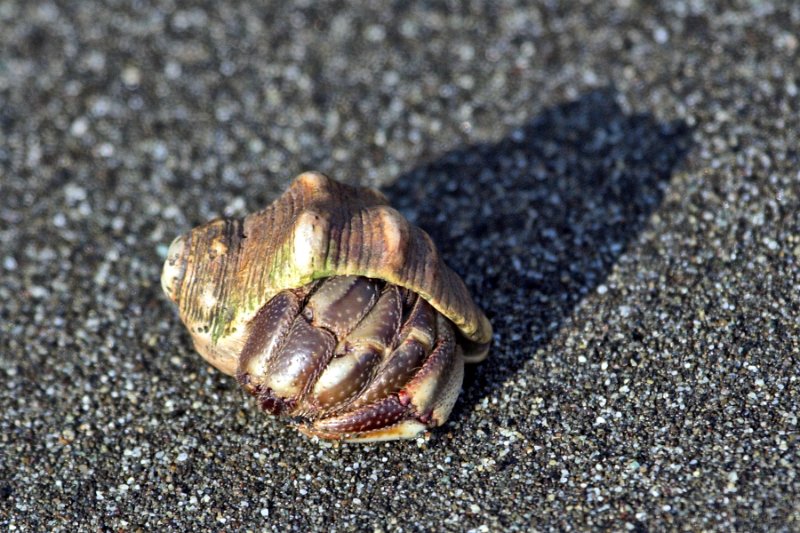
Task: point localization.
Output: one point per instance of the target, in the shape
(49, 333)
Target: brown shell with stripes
(313, 246)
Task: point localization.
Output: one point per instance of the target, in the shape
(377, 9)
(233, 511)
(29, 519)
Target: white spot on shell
(209, 298)
(309, 233)
(172, 267)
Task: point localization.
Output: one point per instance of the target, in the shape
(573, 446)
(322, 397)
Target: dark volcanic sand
(617, 183)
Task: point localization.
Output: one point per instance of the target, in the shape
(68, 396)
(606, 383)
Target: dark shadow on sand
(537, 220)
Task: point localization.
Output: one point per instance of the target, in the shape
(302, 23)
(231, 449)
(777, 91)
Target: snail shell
(330, 308)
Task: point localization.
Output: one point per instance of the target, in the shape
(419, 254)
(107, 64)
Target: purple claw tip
(404, 398)
(426, 418)
(275, 405)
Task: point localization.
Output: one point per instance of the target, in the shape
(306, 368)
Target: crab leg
(356, 357)
(267, 332)
(337, 305)
(417, 336)
(425, 401)
(351, 361)
(442, 370)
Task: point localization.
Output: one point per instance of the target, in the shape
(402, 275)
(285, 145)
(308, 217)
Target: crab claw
(353, 359)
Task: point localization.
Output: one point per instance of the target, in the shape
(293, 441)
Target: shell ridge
(343, 255)
(221, 288)
(363, 242)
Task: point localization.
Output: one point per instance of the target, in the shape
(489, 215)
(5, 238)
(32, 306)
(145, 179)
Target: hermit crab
(331, 309)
